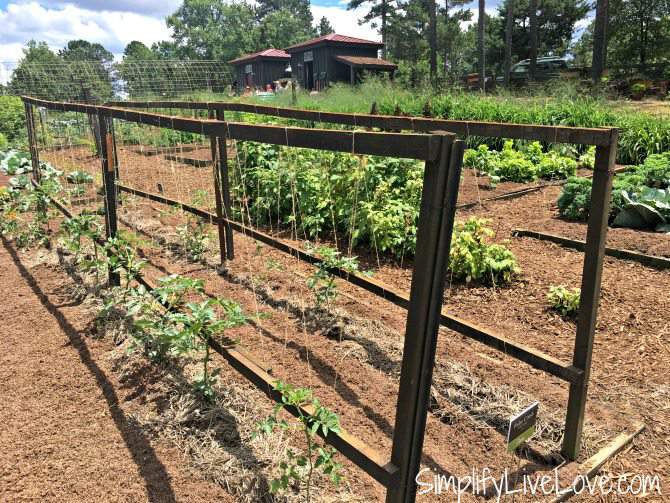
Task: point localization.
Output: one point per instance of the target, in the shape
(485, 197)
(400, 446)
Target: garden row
(640, 135)
(640, 196)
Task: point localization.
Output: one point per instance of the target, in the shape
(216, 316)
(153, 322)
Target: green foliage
(473, 259)
(563, 300)
(79, 178)
(321, 281)
(123, 259)
(197, 325)
(194, 238)
(313, 418)
(588, 158)
(638, 196)
(575, 199)
(641, 134)
(12, 121)
(375, 200)
(656, 170)
(519, 165)
(154, 329)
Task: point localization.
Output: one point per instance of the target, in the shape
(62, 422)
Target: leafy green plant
(199, 324)
(588, 158)
(574, 202)
(321, 281)
(656, 170)
(563, 300)
(471, 258)
(79, 178)
(122, 258)
(553, 166)
(154, 329)
(194, 238)
(297, 469)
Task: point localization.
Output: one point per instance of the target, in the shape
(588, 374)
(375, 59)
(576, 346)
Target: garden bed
(355, 375)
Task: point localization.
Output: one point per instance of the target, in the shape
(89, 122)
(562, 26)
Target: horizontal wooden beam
(412, 146)
(576, 244)
(526, 354)
(550, 134)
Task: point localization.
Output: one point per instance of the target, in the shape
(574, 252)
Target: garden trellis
(443, 154)
(605, 139)
(96, 82)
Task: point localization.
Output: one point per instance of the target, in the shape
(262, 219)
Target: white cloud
(56, 26)
(345, 22)
(156, 8)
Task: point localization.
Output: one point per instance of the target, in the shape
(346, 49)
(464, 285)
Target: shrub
(12, 120)
(563, 300)
(473, 259)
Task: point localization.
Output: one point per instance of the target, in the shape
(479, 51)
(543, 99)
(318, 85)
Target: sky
(117, 22)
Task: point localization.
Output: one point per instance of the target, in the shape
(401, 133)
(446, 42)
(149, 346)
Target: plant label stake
(522, 427)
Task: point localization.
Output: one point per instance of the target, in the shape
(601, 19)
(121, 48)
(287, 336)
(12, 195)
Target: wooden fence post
(436, 221)
(32, 142)
(106, 142)
(591, 278)
(216, 172)
(222, 173)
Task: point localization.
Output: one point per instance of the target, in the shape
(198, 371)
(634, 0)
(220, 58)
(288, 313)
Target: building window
(248, 69)
(309, 56)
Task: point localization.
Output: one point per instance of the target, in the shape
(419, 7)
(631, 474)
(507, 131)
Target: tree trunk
(481, 50)
(432, 34)
(384, 15)
(532, 19)
(446, 37)
(599, 58)
(509, 25)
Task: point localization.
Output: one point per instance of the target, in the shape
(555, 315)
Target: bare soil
(66, 433)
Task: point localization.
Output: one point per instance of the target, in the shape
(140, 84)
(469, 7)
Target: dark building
(335, 58)
(260, 68)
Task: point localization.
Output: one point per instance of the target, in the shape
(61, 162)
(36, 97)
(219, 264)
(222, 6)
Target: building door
(309, 75)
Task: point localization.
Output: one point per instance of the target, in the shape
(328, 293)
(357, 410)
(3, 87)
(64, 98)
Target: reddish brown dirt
(65, 433)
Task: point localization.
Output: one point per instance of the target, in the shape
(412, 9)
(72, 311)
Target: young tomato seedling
(298, 468)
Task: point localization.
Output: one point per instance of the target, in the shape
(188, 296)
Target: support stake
(106, 142)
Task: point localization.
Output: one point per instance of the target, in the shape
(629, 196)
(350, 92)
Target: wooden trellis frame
(442, 153)
(577, 372)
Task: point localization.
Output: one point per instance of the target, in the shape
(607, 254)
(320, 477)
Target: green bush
(473, 259)
(3, 142)
(12, 120)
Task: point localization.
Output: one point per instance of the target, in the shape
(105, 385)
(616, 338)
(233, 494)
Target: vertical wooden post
(436, 220)
(591, 278)
(222, 192)
(32, 142)
(106, 142)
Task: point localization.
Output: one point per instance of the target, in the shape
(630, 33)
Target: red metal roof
(267, 53)
(363, 62)
(334, 37)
